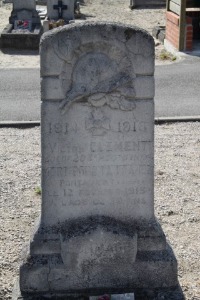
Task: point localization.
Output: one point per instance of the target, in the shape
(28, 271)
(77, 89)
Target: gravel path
(119, 11)
(177, 183)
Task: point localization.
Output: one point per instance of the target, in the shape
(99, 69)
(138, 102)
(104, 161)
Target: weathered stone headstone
(98, 233)
(24, 10)
(60, 9)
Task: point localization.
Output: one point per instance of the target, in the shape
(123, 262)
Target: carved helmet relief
(98, 80)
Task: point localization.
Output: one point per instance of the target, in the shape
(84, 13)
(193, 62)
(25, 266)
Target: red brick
(189, 35)
(189, 27)
(175, 44)
(189, 46)
(172, 32)
(188, 20)
(176, 31)
(172, 17)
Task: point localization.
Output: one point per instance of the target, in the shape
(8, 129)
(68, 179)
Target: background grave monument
(60, 9)
(98, 233)
(24, 28)
(59, 13)
(24, 10)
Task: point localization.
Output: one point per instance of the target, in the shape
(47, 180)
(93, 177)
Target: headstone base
(53, 258)
(144, 294)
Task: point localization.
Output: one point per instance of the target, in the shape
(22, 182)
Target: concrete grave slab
(98, 232)
(22, 37)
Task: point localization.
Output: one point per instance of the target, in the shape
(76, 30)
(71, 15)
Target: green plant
(38, 190)
(165, 55)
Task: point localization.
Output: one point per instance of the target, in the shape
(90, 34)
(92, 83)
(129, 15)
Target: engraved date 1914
(121, 126)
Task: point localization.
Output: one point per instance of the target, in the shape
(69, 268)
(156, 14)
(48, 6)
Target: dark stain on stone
(89, 224)
(114, 28)
(128, 33)
(85, 225)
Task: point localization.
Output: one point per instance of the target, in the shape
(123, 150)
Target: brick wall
(188, 34)
(195, 17)
(172, 30)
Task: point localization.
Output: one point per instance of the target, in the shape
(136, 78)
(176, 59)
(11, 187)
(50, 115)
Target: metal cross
(60, 7)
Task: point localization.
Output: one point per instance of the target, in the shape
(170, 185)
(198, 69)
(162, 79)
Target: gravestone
(98, 233)
(60, 9)
(24, 10)
(24, 29)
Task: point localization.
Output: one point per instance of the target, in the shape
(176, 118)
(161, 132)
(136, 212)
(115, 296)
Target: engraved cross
(60, 7)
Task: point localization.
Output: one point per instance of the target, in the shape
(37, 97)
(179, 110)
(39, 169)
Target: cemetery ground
(177, 183)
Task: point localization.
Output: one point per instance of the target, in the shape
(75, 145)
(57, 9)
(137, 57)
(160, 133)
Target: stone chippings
(176, 198)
